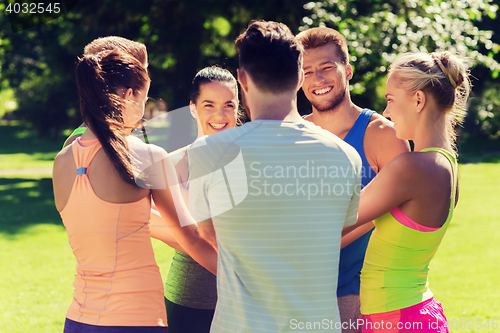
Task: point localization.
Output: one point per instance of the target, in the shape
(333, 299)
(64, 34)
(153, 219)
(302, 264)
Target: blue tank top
(353, 255)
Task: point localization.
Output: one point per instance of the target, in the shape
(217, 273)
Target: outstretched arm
(391, 187)
(161, 231)
(207, 231)
(174, 212)
(349, 237)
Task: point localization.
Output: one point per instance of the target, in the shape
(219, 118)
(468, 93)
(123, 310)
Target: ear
(128, 94)
(301, 79)
(192, 109)
(420, 99)
(348, 69)
(242, 79)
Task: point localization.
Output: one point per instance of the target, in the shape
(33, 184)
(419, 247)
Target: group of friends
(352, 256)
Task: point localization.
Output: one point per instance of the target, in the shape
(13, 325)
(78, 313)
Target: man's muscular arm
(381, 144)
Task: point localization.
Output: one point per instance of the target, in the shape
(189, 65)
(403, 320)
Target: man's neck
(339, 121)
(274, 107)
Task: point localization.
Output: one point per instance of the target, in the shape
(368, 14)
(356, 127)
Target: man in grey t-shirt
(273, 195)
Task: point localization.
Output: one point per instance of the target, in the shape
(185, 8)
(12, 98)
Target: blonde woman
(413, 198)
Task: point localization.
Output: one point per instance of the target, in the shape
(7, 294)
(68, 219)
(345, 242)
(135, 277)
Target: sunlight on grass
(37, 266)
(38, 287)
(31, 161)
(22, 149)
(26, 184)
(464, 271)
(37, 270)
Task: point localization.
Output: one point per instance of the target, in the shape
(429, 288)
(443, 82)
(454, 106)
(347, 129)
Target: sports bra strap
(78, 131)
(83, 153)
(81, 171)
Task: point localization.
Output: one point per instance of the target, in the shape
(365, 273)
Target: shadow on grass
(25, 202)
(21, 139)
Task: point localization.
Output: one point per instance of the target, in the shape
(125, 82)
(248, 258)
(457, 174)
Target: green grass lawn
(37, 266)
(465, 273)
(21, 149)
(36, 263)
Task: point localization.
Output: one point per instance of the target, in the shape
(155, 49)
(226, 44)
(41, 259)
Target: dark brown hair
(271, 55)
(211, 74)
(110, 43)
(215, 74)
(98, 77)
(316, 37)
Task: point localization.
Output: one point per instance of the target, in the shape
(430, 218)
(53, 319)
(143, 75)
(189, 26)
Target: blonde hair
(441, 75)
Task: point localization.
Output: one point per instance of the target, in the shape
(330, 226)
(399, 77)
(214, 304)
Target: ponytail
(441, 75)
(98, 78)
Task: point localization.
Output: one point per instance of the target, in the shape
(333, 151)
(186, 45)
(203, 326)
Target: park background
(39, 108)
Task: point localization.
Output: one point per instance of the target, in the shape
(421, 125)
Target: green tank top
(188, 283)
(394, 274)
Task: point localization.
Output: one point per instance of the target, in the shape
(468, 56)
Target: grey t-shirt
(278, 204)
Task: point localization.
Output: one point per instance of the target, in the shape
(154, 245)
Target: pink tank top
(117, 281)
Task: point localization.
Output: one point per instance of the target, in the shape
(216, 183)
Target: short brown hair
(112, 43)
(316, 37)
(271, 55)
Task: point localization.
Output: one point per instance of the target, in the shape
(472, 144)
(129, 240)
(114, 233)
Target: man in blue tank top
(326, 85)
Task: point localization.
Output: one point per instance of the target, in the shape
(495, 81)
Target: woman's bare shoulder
(417, 167)
(64, 159)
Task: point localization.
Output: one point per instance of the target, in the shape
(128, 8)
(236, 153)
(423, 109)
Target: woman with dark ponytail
(190, 290)
(413, 198)
(118, 287)
(102, 108)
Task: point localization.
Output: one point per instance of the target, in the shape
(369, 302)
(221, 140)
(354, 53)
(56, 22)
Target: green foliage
(181, 36)
(486, 110)
(184, 36)
(7, 101)
(376, 31)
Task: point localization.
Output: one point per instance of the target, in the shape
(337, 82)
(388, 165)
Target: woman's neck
(432, 132)
(88, 135)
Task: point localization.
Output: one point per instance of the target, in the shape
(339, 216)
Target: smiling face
(401, 108)
(326, 78)
(216, 107)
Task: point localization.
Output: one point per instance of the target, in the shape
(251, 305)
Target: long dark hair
(98, 77)
(210, 74)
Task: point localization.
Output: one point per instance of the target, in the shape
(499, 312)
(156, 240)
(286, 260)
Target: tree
(376, 31)
(181, 36)
(184, 36)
